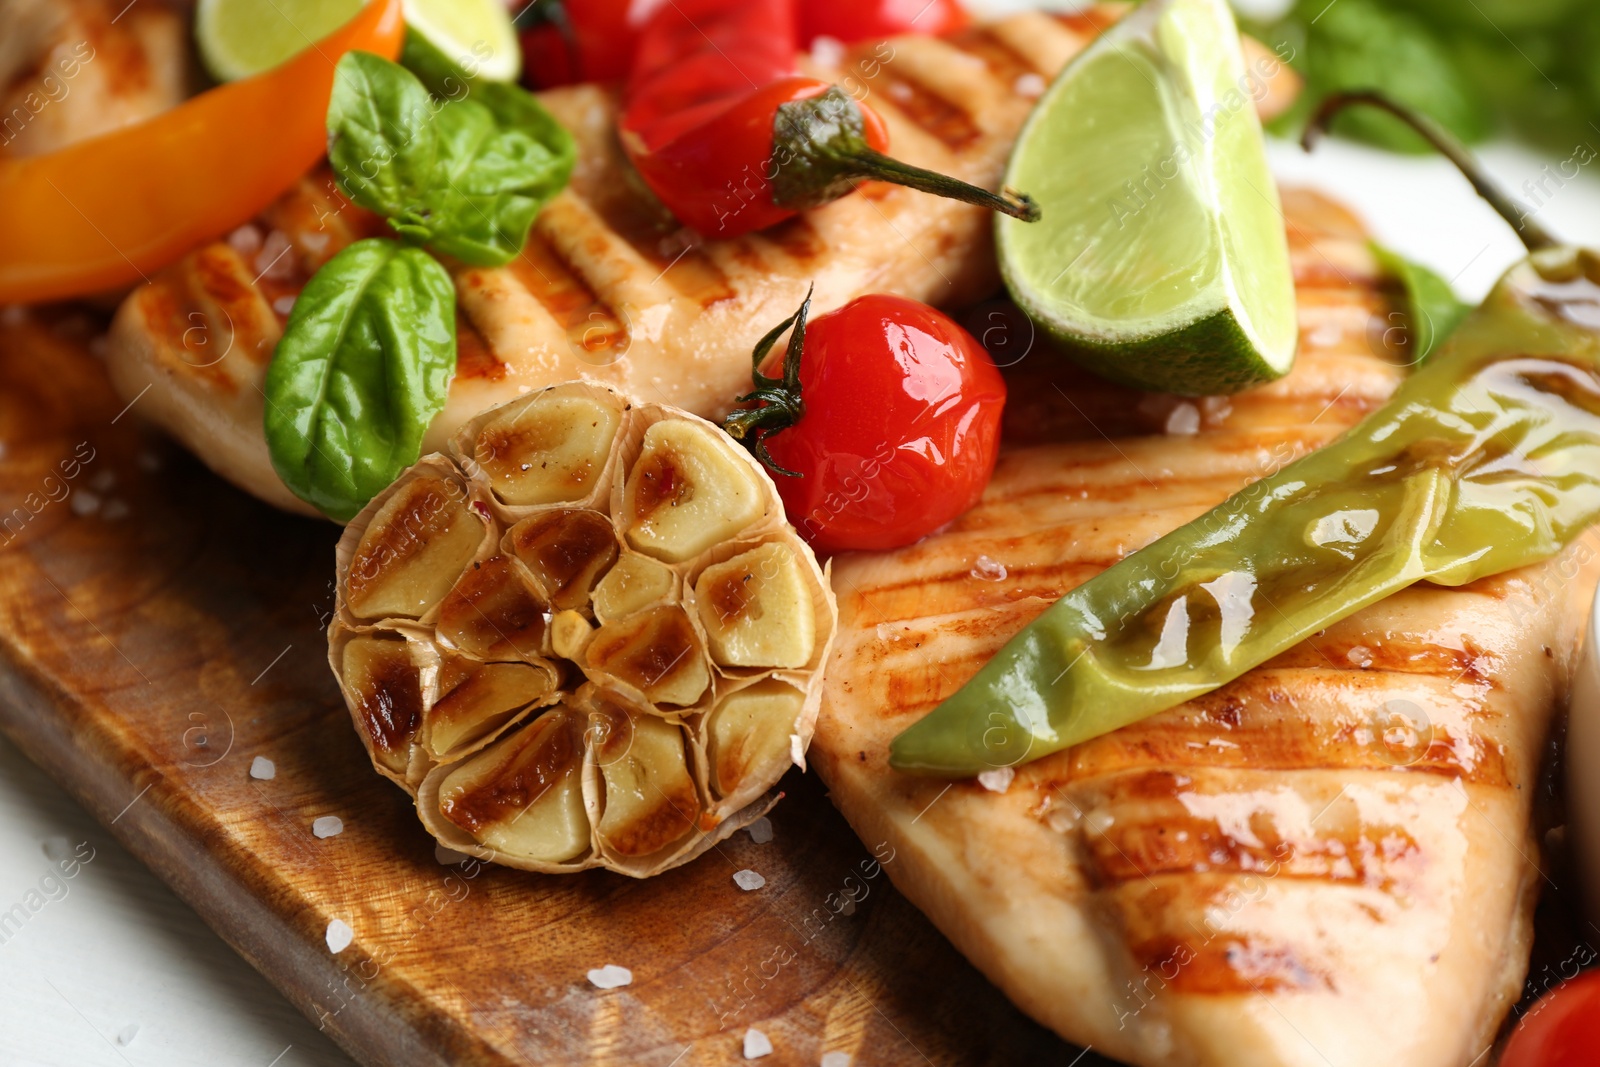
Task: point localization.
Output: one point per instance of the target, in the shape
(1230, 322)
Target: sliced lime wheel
(1161, 259)
(241, 38)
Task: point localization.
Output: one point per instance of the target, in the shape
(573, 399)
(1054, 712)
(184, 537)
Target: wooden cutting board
(159, 631)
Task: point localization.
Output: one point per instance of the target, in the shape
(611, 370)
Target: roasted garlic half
(587, 637)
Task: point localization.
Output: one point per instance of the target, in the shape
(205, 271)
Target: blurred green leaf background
(1529, 68)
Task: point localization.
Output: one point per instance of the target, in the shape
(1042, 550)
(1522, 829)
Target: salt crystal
(760, 830)
(610, 977)
(274, 260)
(997, 780)
(327, 826)
(339, 936)
(1216, 408)
(1061, 820)
(1360, 656)
(986, 569)
(900, 91)
(283, 305)
(57, 848)
(263, 768)
(114, 510)
(1099, 821)
(85, 503)
(316, 243)
(103, 480)
(448, 857)
(836, 1059)
(246, 240)
(827, 51)
(849, 907)
(1029, 85)
(886, 632)
(748, 880)
(126, 1035)
(1184, 420)
(1325, 336)
(756, 1044)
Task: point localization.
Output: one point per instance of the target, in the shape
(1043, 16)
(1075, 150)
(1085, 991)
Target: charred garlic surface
(585, 638)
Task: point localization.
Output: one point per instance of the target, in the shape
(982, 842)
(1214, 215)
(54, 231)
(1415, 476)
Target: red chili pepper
(868, 20)
(566, 43)
(1561, 1030)
(882, 421)
(731, 140)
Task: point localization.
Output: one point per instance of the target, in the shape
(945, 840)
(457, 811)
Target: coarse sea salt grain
(1029, 85)
(246, 240)
(126, 1035)
(610, 977)
(263, 768)
(85, 503)
(339, 936)
(448, 857)
(756, 1044)
(57, 847)
(997, 780)
(760, 830)
(748, 880)
(283, 305)
(327, 826)
(836, 1059)
(986, 569)
(1184, 420)
(827, 51)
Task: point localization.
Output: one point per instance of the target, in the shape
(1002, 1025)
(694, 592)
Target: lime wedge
(241, 38)
(1161, 259)
(477, 34)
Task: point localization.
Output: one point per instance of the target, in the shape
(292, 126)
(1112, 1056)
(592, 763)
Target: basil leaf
(364, 365)
(1364, 44)
(465, 175)
(381, 139)
(1433, 311)
(494, 173)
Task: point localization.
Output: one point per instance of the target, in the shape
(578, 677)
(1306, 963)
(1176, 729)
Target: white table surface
(119, 972)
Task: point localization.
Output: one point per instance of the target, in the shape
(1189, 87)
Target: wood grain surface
(159, 631)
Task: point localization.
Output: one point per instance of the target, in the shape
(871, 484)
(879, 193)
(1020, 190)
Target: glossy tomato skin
(901, 425)
(1561, 1030)
(600, 48)
(870, 20)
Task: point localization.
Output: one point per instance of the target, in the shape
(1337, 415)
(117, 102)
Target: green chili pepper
(1486, 459)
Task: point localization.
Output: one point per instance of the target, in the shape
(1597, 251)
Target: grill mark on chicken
(474, 358)
(590, 324)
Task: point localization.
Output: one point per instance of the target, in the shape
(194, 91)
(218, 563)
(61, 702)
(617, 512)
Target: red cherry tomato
(1561, 1030)
(585, 41)
(864, 20)
(900, 428)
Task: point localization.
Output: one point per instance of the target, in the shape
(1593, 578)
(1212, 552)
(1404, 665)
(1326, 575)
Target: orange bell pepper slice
(114, 209)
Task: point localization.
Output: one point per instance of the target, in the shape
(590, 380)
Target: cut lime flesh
(1161, 259)
(242, 38)
(476, 34)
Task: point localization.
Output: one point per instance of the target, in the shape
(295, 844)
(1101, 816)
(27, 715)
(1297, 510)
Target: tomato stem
(778, 402)
(820, 151)
(1534, 236)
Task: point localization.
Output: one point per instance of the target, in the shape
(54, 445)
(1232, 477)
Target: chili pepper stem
(1534, 236)
(868, 164)
(820, 152)
(778, 401)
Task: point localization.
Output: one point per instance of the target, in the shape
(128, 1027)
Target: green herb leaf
(1433, 311)
(465, 175)
(363, 367)
(1363, 44)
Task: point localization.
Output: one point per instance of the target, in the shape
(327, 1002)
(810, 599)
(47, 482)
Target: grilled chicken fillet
(609, 287)
(1330, 862)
